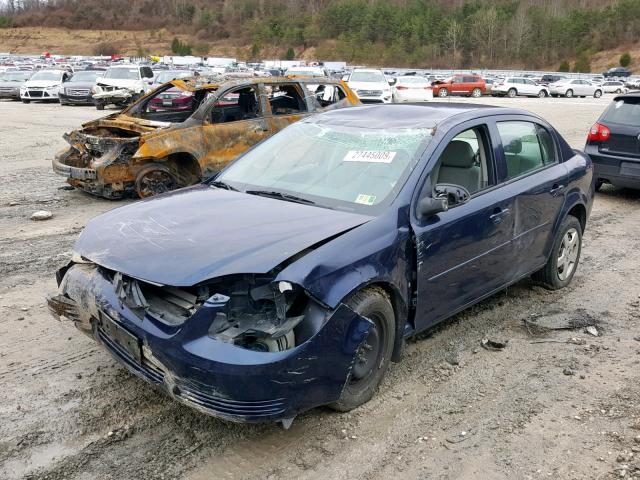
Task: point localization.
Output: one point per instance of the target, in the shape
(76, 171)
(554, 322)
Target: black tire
(26, 101)
(374, 356)
(512, 93)
(551, 275)
(99, 106)
(618, 91)
(569, 93)
(476, 93)
(443, 93)
(598, 185)
(597, 94)
(542, 94)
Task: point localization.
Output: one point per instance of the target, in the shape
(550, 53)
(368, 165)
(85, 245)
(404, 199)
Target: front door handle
(498, 215)
(557, 189)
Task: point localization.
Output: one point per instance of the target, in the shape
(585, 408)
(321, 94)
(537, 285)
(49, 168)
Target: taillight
(400, 87)
(599, 133)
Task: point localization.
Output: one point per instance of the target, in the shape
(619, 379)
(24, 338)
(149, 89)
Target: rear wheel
(597, 94)
(569, 93)
(618, 91)
(563, 262)
(155, 179)
(476, 93)
(374, 355)
(100, 106)
(598, 185)
(443, 92)
(542, 94)
(512, 93)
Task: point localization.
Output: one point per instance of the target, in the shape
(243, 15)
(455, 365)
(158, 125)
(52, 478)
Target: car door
(536, 179)
(529, 87)
(464, 253)
(285, 104)
(234, 122)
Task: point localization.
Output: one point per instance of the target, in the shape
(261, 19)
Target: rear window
(625, 112)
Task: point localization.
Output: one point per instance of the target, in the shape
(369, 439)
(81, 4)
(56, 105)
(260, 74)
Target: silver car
(11, 82)
(575, 88)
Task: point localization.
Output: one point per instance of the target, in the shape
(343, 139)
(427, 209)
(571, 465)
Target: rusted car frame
(144, 151)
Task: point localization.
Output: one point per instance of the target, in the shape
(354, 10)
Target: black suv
(616, 72)
(613, 143)
(546, 80)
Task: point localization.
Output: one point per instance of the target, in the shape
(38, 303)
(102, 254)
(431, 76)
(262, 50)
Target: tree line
(419, 33)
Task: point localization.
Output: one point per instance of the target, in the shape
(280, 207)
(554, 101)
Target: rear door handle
(498, 214)
(556, 189)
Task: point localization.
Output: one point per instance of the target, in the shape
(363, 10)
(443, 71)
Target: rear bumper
(215, 377)
(623, 172)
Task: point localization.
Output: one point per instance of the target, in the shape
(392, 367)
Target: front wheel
(542, 94)
(155, 179)
(99, 106)
(476, 93)
(512, 93)
(569, 94)
(565, 255)
(374, 355)
(597, 94)
(24, 100)
(443, 92)
(618, 91)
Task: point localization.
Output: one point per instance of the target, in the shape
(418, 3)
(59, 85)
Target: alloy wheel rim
(568, 254)
(156, 182)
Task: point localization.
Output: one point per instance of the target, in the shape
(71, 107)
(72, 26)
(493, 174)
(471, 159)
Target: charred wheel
(374, 355)
(155, 179)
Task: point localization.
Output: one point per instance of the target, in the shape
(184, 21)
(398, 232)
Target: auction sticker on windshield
(369, 156)
(366, 199)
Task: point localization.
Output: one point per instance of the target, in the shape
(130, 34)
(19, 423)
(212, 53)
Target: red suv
(468, 85)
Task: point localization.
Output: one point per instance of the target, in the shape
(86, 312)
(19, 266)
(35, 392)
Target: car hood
(11, 83)
(42, 83)
(79, 84)
(117, 82)
(369, 86)
(202, 232)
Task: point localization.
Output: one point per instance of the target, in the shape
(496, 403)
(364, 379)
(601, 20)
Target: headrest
(513, 145)
(458, 154)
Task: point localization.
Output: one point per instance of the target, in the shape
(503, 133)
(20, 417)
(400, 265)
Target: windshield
(16, 76)
(87, 76)
(367, 77)
(54, 76)
(164, 77)
(122, 73)
(334, 166)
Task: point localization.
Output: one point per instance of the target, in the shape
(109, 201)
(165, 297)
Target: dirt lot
(561, 404)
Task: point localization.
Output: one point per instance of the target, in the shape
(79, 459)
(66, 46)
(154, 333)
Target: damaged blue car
(292, 278)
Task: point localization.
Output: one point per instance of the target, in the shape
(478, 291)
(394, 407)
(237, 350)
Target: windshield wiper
(283, 196)
(221, 184)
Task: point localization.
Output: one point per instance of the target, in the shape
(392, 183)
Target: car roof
(205, 82)
(418, 115)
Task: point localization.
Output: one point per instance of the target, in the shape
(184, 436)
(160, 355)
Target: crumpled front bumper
(214, 377)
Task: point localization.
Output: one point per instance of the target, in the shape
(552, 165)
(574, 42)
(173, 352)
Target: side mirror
(393, 81)
(429, 206)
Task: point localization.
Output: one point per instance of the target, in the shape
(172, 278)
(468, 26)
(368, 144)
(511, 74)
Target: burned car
(291, 279)
(187, 130)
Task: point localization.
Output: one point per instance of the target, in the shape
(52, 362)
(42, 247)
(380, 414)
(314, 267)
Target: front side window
(465, 162)
(527, 147)
(336, 166)
(285, 99)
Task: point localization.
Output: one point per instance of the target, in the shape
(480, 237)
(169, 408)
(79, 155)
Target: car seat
(458, 166)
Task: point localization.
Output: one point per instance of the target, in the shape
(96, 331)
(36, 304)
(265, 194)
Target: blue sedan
(292, 278)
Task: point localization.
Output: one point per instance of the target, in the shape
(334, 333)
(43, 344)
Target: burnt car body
(186, 130)
(246, 296)
(613, 143)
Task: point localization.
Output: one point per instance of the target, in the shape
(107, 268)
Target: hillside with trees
(420, 33)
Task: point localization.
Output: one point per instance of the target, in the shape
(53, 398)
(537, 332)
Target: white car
(575, 88)
(611, 86)
(514, 86)
(43, 85)
(412, 89)
(307, 71)
(121, 84)
(371, 86)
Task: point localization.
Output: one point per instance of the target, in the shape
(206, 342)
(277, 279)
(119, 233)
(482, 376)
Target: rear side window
(286, 99)
(527, 147)
(625, 112)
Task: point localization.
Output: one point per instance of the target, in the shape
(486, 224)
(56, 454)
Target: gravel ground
(558, 404)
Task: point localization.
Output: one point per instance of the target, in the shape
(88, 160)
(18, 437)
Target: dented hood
(203, 232)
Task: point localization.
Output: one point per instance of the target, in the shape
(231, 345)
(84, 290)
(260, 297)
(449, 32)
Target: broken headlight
(258, 314)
